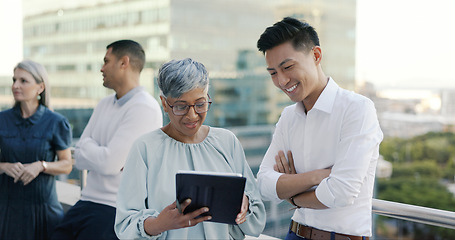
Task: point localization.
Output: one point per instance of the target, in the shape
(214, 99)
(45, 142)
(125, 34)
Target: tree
(420, 165)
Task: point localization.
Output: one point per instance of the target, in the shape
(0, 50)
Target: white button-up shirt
(340, 131)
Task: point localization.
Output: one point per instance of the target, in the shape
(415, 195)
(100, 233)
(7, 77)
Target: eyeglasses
(180, 109)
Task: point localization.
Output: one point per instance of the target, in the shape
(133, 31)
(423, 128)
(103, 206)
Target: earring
(38, 97)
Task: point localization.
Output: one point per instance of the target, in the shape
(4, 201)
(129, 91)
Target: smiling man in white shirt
(325, 148)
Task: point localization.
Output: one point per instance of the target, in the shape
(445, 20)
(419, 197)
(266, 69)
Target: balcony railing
(430, 216)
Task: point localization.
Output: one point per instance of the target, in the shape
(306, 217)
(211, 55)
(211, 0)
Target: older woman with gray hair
(31, 136)
(146, 206)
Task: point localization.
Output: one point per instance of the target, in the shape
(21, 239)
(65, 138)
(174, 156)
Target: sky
(400, 43)
(11, 35)
(406, 43)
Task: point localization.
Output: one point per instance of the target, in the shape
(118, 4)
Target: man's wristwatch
(44, 164)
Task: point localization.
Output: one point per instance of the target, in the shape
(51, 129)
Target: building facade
(71, 42)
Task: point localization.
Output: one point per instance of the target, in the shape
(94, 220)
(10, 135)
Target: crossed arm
(295, 187)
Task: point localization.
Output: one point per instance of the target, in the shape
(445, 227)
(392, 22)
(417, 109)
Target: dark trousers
(292, 236)
(85, 221)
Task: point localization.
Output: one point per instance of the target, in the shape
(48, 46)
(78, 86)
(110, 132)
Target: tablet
(222, 193)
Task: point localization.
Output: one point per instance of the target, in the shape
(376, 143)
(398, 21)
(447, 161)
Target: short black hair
(131, 49)
(301, 34)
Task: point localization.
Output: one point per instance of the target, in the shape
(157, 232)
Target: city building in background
(69, 39)
(247, 96)
(71, 42)
(406, 113)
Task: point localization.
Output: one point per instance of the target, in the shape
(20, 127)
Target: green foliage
(424, 191)
(449, 170)
(435, 146)
(424, 169)
(420, 166)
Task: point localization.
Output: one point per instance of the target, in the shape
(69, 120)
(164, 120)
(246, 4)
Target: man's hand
(291, 183)
(284, 165)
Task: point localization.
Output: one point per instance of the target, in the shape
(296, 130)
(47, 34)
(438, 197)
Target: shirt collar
(32, 119)
(128, 96)
(325, 100)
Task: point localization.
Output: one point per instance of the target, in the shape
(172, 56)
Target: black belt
(316, 234)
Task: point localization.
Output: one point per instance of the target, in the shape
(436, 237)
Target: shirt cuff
(267, 185)
(140, 226)
(324, 195)
(251, 203)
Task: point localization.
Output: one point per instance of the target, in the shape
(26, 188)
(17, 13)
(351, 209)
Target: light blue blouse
(148, 184)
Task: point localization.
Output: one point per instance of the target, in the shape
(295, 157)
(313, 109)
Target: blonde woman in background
(31, 136)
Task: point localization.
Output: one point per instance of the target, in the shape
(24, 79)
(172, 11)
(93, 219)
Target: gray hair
(39, 73)
(177, 77)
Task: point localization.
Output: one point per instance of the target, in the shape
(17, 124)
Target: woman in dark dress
(31, 136)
